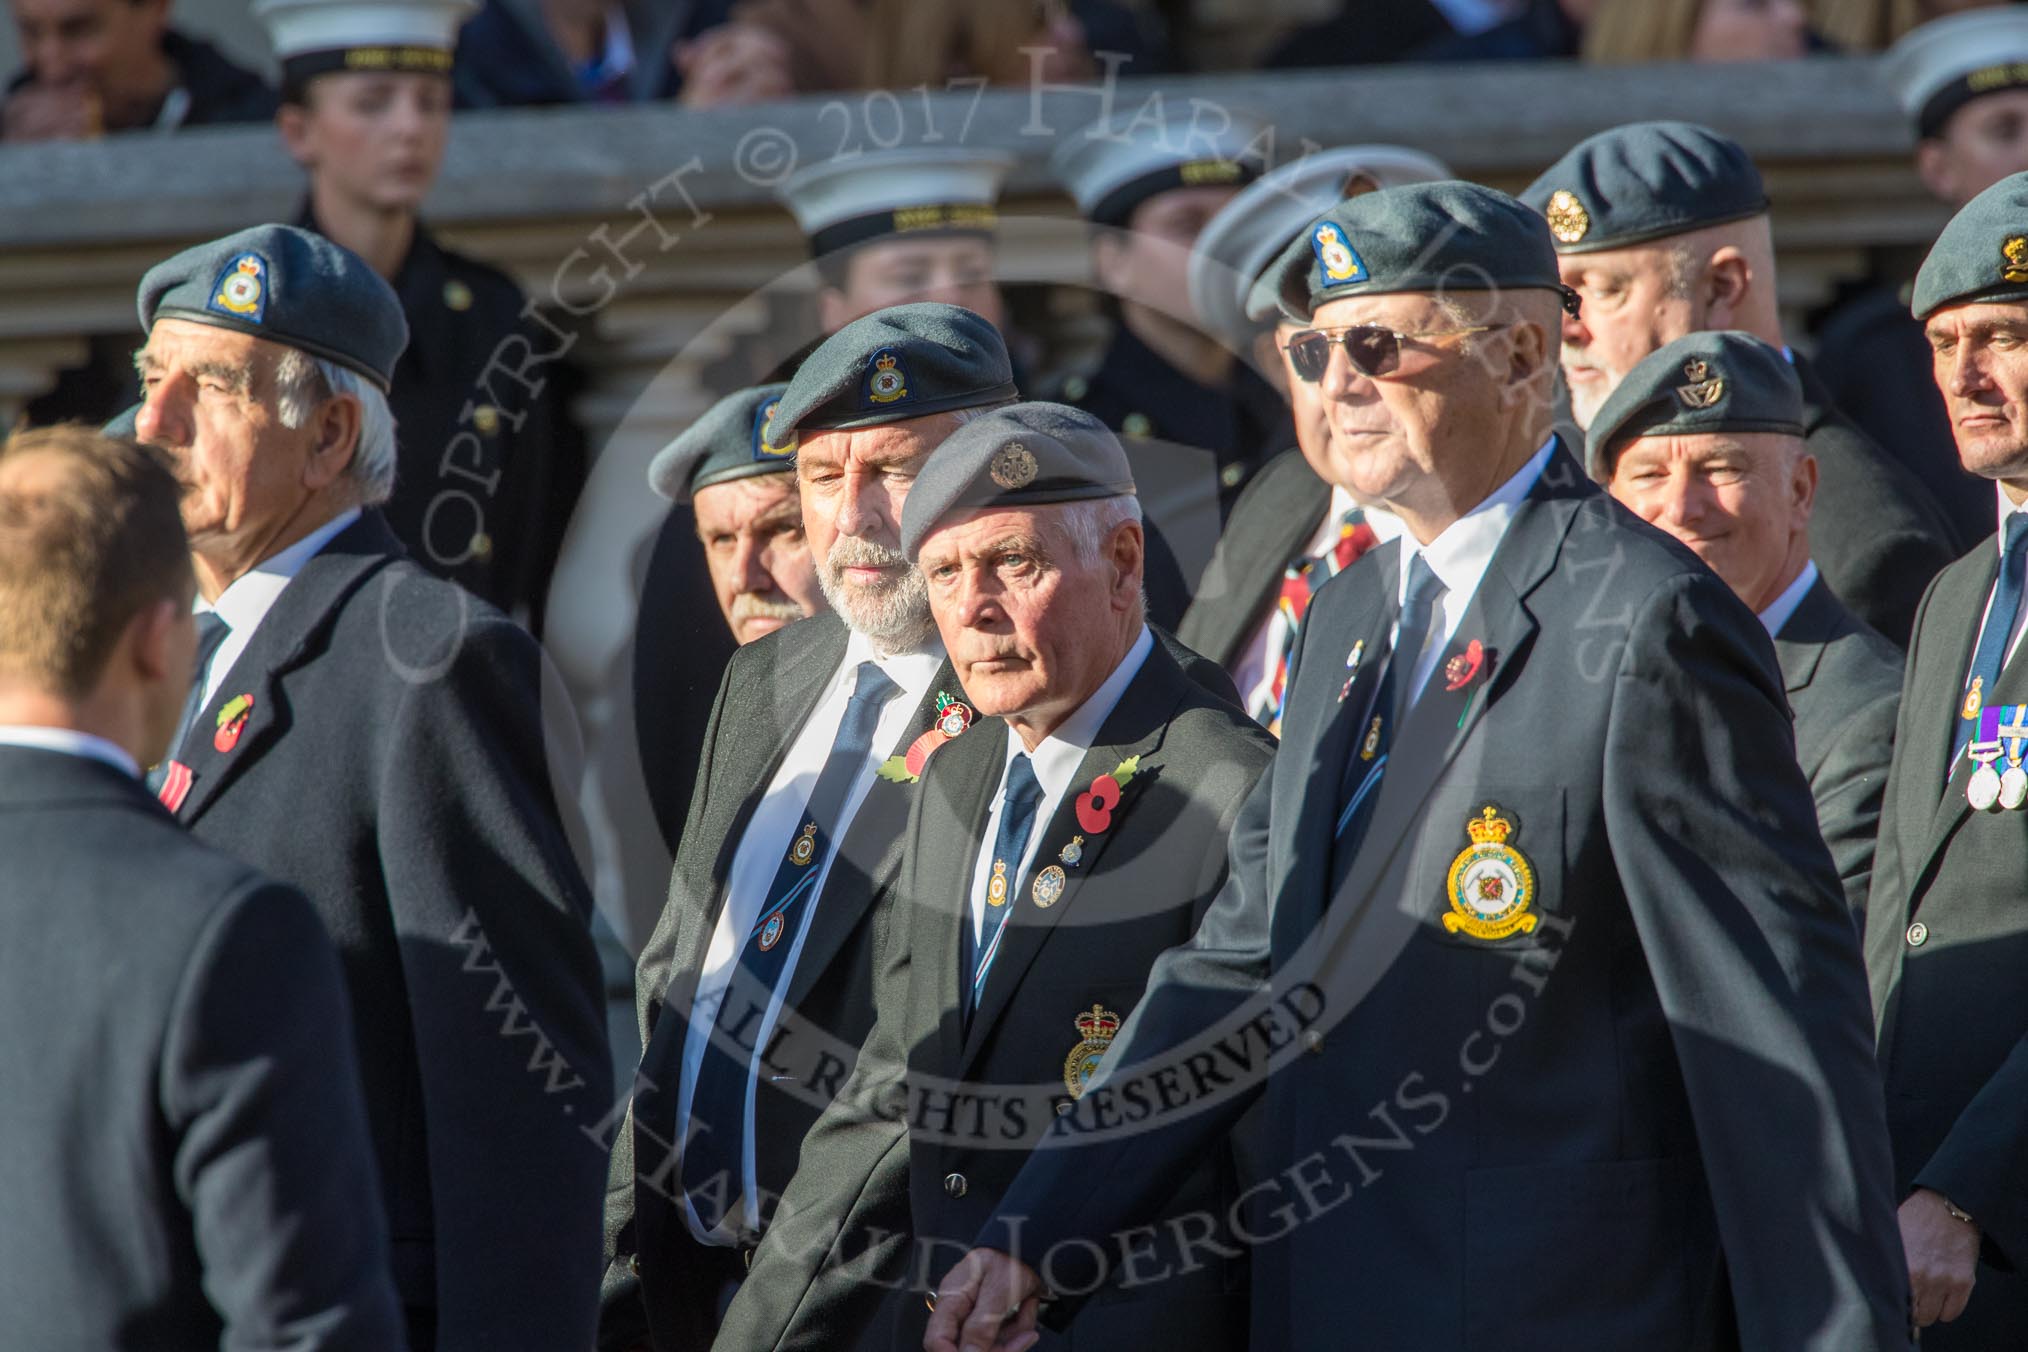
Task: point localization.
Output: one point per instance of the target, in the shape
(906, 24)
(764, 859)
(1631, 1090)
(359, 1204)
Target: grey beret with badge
(1028, 454)
(1646, 181)
(1438, 237)
(287, 285)
(1237, 244)
(1716, 381)
(733, 440)
(1112, 166)
(907, 361)
(1941, 66)
(1982, 255)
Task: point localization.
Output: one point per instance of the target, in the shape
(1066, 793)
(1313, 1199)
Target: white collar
(2007, 509)
(1782, 607)
(245, 603)
(70, 742)
(1056, 758)
(1459, 556)
(912, 671)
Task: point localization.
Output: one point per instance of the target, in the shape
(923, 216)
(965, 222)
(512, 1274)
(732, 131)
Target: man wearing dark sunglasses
(1537, 854)
(1663, 230)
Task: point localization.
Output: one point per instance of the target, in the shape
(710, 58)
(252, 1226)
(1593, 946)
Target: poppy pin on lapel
(1465, 667)
(231, 722)
(1095, 806)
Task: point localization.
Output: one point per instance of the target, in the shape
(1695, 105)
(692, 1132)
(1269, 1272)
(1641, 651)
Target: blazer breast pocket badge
(1491, 886)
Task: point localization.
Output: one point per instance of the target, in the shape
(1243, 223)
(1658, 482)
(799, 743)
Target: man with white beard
(754, 990)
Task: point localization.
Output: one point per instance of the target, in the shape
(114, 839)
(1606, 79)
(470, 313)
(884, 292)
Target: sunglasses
(1372, 350)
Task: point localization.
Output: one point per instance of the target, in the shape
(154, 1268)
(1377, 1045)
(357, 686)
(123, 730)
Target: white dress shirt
(70, 742)
(245, 603)
(769, 832)
(1459, 557)
(1782, 607)
(1055, 761)
(1253, 672)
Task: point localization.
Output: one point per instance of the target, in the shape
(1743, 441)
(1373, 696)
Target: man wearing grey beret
(1530, 915)
(1704, 439)
(1945, 926)
(1663, 229)
(1075, 833)
(374, 735)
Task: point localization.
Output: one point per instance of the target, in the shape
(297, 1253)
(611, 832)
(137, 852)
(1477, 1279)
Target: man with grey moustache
(767, 934)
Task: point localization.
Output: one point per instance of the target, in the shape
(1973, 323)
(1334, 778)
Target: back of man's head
(90, 536)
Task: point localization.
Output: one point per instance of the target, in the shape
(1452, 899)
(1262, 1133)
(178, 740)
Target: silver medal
(1983, 789)
(2013, 786)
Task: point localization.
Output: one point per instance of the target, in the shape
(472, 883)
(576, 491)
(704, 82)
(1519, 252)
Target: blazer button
(954, 1185)
(634, 1264)
(1313, 1041)
(1918, 934)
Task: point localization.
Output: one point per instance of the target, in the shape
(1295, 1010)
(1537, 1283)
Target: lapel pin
(1073, 852)
(231, 722)
(175, 786)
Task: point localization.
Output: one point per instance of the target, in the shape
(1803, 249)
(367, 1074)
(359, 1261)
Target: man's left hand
(1943, 1257)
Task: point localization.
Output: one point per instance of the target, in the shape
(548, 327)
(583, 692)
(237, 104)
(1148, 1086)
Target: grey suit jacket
(1641, 1107)
(1273, 519)
(1844, 687)
(874, 1203)
(1947, 950)
(184, 1159)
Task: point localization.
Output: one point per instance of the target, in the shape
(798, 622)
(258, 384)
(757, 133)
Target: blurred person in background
(483, 490)
(521, 53)
(1874, 25)
(1543, 30)
(1963, 82)
(1623, 32)
(96, 66)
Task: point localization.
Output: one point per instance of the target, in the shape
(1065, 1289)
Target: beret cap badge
(1340, 264)
(1013, 466)
(2015, 253)
(1568, 220)
(241, 288)
(1704, 389)
(886, 383)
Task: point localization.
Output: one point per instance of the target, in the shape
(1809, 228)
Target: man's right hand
(986, 1303)
(34, 112)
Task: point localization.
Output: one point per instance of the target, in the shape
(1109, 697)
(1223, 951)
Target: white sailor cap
(1251, 230)
(1943, 65)
(1113, 166)
(318, 37)
(904, 191)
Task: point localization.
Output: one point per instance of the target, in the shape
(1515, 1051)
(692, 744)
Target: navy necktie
(1991, 654)
(1018, 802)
(716, 1144)
(1358, 787)
(211, 633)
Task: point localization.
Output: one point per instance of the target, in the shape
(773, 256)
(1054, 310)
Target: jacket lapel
(953, 828)
(1441, 721)
(1936, 688)
(1799, 647)
(1134, 728)
(302, 613)
(875, 831)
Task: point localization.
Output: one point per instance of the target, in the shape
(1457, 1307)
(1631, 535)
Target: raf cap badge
(1491, 884)
(1098, 1027)
(1341, 265)
(886, 381)
(1568, 220)
(764, 449)
(242, 288)
(1704, 389)
(2015, 254)
(1013, 466)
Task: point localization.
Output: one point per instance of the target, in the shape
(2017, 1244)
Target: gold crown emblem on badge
(885, 363)
(1489, 828)
(1704, 389)
(2015, 251)
(1568, 220)
(1099, 1025)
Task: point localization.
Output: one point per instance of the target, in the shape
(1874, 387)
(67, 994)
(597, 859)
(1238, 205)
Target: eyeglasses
(1372, 350)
